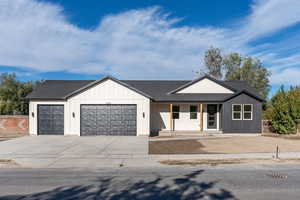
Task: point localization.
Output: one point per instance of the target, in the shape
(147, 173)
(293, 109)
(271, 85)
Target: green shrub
(284, 124)
(284, 110)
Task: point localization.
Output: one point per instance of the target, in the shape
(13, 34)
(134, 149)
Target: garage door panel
(50, 119)
(110, 119)
(129, 117)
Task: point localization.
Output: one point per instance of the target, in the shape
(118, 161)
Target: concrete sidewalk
(98, 152)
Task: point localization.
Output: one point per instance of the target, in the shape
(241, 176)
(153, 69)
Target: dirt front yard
(225, 145)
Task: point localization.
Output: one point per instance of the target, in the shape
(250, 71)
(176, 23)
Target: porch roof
(193, 98)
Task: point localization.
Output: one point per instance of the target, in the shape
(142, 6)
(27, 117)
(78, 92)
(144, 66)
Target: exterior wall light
(73, 114)
(32, 114)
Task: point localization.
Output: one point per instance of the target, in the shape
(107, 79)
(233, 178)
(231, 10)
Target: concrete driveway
(74, 151)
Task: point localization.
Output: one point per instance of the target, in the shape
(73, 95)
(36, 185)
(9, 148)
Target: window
(176, 110)
(237, 111)
(193, 111)
(242, 111)
(247, 112)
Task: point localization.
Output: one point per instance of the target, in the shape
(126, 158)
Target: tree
(282, 122)
(250, 70)
(13, 93)
(213, 62)
(284, 110)
(235, 67)
(232, 64)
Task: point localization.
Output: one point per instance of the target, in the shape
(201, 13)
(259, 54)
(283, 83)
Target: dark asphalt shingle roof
(56, 89)
(158, 90)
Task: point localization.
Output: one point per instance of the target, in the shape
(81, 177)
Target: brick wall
(14, 124)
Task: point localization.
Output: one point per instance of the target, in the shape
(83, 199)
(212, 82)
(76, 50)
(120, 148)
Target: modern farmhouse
(142, 107)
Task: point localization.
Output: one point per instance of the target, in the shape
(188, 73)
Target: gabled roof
(156, 90)
(86, 87)
(222, 83)
(244, 92)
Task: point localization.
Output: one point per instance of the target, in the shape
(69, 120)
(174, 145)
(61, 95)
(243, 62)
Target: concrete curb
(227, 156)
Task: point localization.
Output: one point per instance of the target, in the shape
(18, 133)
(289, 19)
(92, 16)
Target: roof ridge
(235, 80)
(155, 80)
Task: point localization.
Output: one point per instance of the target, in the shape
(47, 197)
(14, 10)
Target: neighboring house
(139, 107)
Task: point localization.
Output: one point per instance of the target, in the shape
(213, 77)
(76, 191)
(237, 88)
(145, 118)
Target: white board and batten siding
(205, 86)
(106, 92)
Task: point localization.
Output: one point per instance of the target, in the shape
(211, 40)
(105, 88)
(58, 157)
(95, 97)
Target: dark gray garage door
(50, 119)
(108, 120)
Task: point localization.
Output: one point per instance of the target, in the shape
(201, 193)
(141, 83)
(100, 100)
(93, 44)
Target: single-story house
(142, 107)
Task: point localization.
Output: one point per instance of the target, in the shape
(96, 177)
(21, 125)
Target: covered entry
(108, 119)
(50, 119)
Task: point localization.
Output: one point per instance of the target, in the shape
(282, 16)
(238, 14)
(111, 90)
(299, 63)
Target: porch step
(189, 133)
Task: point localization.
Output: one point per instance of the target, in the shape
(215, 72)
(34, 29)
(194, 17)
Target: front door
(212, 110)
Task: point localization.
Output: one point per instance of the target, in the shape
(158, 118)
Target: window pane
(193, 108)
(247, 108)
(247, 115)
(193, 115)
(237, 115)
(237, 107)
(175, 115)
(176, 108)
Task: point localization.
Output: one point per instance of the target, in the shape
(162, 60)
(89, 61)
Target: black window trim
(194, 112)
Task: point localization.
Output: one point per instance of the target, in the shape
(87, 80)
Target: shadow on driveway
(187, 187)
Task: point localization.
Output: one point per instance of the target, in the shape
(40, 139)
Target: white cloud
(135, 44)
(269, 16)
(287, 77)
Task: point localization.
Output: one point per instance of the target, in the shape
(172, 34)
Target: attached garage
(50, 119)
(108, 119)
(89, 108)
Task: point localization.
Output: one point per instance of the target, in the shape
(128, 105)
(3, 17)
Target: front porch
(169, 119)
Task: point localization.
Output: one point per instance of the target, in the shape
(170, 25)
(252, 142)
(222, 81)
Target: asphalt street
(176, 182)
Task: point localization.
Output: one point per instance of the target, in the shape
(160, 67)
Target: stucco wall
(13, 124)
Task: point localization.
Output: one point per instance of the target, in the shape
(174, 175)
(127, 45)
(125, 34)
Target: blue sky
(148, 39)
